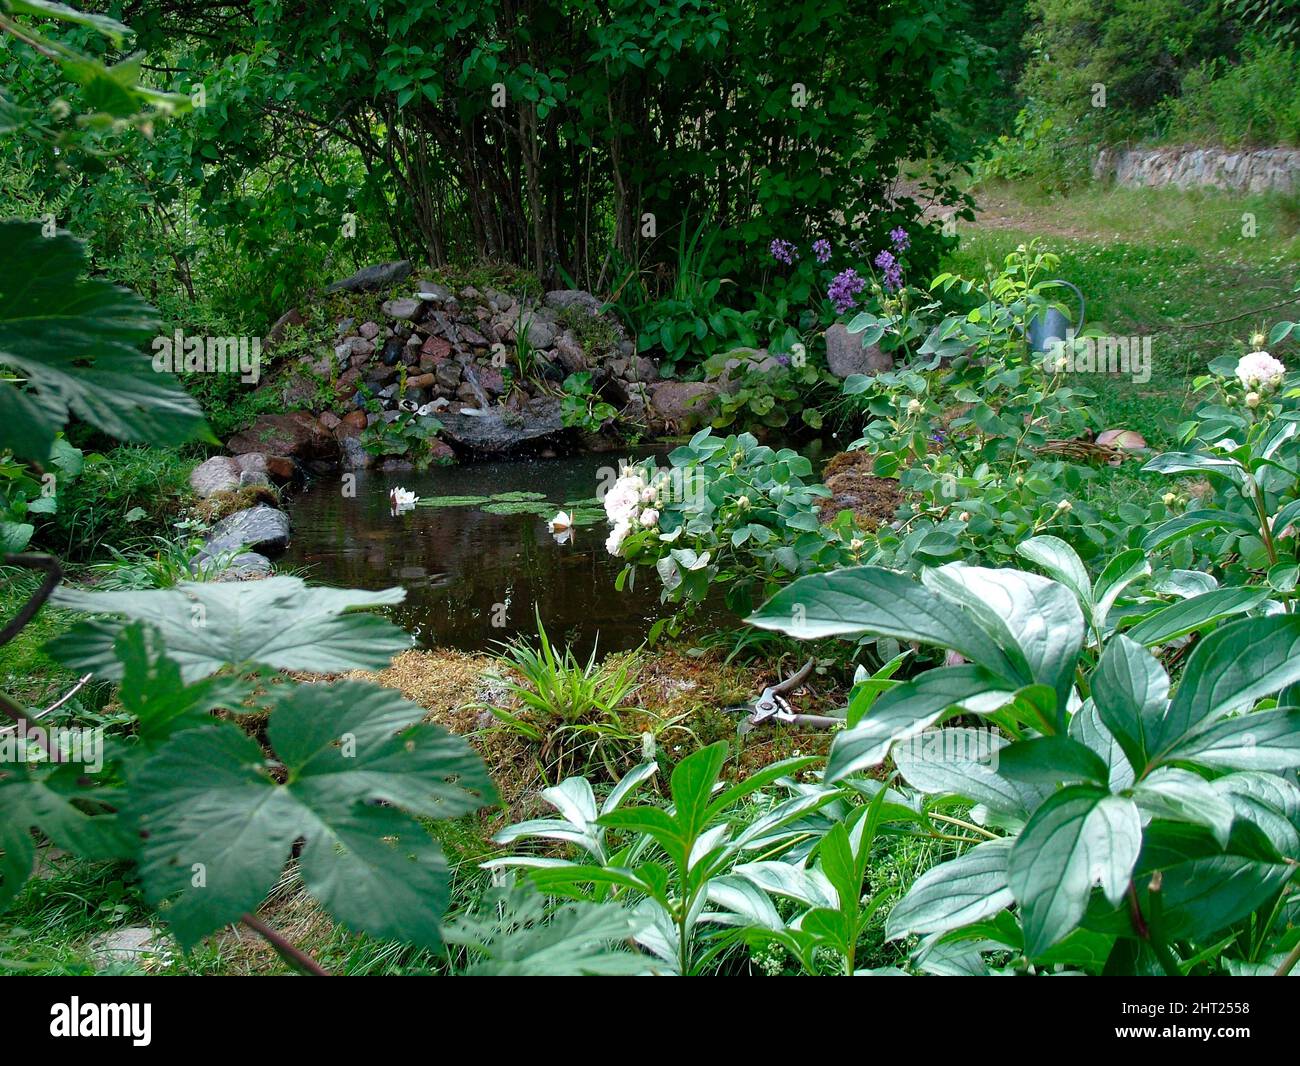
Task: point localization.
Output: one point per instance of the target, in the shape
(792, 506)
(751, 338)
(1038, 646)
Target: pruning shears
(772, 704)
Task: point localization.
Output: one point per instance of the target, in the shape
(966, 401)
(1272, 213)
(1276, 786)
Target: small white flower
(1064, 505)
(562, 521)
(400, 499)
(1169, 498)
(1252, 399)
(743, 503)
(1259, 370)
(964, 516)
(913, 405)
(649, 518)
(614, 542)
(856, 544)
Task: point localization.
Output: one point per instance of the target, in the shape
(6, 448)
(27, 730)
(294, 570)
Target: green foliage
(581, 408)
(1253, 102)
(1108, 781)
(727, 511)
(572, 710)
(409, 436)
(76, 344)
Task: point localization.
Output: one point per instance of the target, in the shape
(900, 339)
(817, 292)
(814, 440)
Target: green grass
(1170, 263)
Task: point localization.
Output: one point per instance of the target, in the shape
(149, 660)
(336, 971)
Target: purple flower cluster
(844, 289)
(889, 268)
(783, 251)
(822, 250)
(900, 240)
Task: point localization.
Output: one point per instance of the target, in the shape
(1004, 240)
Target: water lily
(561, 522)
(401, 499)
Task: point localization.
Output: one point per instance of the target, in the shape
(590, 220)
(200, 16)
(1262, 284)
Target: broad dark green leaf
(955, 893)
(870, 599)
(907, 709)
(217, 826)
(1189, 615)
(1130, 691)
(78, 342)
(278, 622)
(1081, 837)
(1234, 666)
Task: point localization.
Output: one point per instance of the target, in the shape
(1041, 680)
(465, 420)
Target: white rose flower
(1259, 370)
(649, 518)
(614, 542)
(1252, 399)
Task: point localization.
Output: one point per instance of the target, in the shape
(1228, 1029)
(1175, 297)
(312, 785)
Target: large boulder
(218, 474)
(259, 529)
(374, 278)
(562, 299)
(845, 354)
(295, 434)
(681, 406)
(498, 431)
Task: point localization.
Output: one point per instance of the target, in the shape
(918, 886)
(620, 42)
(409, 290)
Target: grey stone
(1259, 170)
(541, 333)
(681, 406)
(845, 354)
(218, 474)
(244, 567)
(130, 945)
(369, 331)
(260, 529)
(497, 432)
(561, 299)
(431, 290)
(404, 309)
(374, 278)
(353, 455)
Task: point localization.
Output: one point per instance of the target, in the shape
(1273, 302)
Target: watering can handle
(1083, 307)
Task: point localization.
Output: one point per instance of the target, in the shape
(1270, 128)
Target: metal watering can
(1049, 326)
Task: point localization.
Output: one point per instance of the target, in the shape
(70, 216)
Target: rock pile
(488, 365)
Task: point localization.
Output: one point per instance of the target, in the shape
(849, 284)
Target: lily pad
(453, 501)
(517, 507)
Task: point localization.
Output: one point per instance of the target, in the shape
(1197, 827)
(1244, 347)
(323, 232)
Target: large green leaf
(1196, 612)
(1264, 740)
(871, 599)
(278, 622)
(1130, 691)
(1234, 666)
(907, 709)
(1081, 837)
(77, 343)
(1205, 887)
(955, 893)
(217, 824)
(1036, 622)
(52, 801)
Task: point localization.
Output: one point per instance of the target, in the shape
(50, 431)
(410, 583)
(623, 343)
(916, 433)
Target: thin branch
(53, 575)
(283, 947)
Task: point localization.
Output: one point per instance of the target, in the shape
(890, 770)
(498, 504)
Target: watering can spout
(1050, 326)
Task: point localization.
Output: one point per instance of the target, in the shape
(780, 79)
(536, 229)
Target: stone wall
(1257, 170)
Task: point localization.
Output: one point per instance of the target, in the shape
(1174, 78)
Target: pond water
(465, 569)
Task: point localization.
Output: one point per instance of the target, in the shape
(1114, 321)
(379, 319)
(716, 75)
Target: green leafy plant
(673, 868)
(1120, 798)
(581, 408)
(728, 511)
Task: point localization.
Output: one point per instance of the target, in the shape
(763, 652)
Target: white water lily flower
(1259, 370)
(401, 499)
(562, 521)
